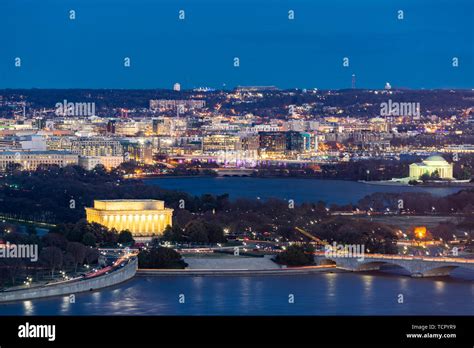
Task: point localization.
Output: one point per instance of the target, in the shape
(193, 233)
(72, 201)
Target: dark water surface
(300, 190)
(317, 294)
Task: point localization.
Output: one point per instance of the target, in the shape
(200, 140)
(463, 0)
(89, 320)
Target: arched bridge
(417, 266)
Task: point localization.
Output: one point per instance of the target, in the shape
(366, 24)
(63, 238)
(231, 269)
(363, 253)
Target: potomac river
(314, 294)
(299, 189)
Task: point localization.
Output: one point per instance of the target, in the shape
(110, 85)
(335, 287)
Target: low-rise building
(31, 160)
(109, 162)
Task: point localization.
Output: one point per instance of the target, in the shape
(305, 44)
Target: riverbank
(73, 287)
(161, 176)
(459, 184)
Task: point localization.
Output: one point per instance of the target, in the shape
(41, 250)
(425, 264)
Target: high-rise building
(40, 123)
(272, 142)
(158, 125)
(220, 142)
(295, 142)
(111, 126)
(139, 150)
(250, 142)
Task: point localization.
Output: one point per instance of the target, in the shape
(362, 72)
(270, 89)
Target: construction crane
(310, 236)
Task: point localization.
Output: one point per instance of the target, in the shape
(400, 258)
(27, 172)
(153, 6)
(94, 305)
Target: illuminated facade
(31, 160)
(96, 147)
(168, 104)
(220, 142)
(109, 162)
(430, 165)
(142, 217)
(138, 149)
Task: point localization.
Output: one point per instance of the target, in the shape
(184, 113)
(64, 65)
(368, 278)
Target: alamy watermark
(28, 330)
(345, 250)
(392, 108)
(19, 251)
(74, 109)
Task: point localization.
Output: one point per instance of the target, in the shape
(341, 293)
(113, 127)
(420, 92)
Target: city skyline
(250, 163)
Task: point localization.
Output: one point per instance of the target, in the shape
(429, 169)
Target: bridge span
(417, 266)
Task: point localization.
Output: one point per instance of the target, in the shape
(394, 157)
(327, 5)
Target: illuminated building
(430, 165)
(464, 148)
(142, 217)
(163, 125)
(96, 147)
(157, 125)
(111, 125)
(420, 232)
(272, 142)
(289, 143)
(295, 142)
(139, 150)
(109, 162)
(33, 142)
(171, 104)
(220, 142)
(40, 123)
(255, 88)
(130, 128)
(250, 143)
(32, 160)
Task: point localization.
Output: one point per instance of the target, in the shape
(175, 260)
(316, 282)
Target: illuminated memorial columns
(142, 217)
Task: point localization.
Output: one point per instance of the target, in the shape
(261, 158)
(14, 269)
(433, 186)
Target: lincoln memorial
(142, 217)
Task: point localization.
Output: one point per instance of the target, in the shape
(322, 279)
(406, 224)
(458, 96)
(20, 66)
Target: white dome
(436, 159)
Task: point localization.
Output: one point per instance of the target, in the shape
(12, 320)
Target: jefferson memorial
(142, 217)
(430, 165)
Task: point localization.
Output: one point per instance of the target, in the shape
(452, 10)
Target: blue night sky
(307, 52)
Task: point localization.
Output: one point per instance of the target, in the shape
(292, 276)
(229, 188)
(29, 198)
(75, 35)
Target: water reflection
(404, 283)
(317, 294)
(331, 286)
(245, 291)
(368, 285)
(439, 286)
(28, 307)
(65, 304)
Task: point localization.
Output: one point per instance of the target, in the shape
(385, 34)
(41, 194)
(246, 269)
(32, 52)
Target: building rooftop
(435, 158)
(127, 200)
(51, 152)
(129, 204)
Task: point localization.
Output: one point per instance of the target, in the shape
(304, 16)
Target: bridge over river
(416, 265)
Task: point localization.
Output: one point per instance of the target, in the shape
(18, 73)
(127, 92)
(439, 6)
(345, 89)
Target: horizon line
(262, 88)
